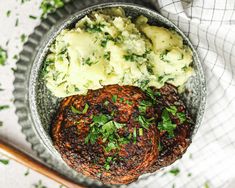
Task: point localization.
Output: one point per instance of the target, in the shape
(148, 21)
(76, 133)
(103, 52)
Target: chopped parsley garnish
(4, 161)
(166, 124)
(93, 28)
(132, 57)
(172, 109)
(3, 107)
(74, 110)
(106, 103)
(104, 42)
(163, 55)
(121, 99)
(134, 135)
(107, 162)
(144, 122)
(189, 174)
(128, 102)
(89, 62)
(143, 105)
(206, 185)
(107, 55)
(23, 38)
(26, 173)
(152, 94)
(48, 6)
(143, 83)
(182, 56)
(17, 22)
(159, 146)
(181, 116)
(175, 171)
(105, 128)
(32, 17)
(3, 56)
(15, 57)
(8, 13)
(39, 185)
(114, 98)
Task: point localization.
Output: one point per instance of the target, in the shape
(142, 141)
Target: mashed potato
(108, 48)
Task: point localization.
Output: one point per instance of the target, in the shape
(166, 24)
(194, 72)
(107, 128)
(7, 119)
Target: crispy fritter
(106, 136)
(119, 158)
(172, 148)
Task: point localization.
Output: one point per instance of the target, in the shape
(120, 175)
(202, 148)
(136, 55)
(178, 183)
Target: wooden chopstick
(17, 155)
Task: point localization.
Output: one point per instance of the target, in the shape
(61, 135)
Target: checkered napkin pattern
(210, 160)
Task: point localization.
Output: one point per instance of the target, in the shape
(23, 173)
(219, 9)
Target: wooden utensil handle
(28, 161)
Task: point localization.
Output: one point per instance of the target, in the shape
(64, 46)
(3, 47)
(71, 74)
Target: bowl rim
(47, 41)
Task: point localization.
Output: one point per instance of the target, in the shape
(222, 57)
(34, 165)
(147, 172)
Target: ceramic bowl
(35, 106)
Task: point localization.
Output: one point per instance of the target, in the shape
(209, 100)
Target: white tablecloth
(211, 157)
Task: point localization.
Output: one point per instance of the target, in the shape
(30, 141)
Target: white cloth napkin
(210, 25)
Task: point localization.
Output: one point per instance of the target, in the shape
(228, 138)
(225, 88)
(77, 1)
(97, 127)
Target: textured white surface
(211, 29)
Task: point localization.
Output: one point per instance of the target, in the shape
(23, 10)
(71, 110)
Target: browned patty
(131, 159)
(151, 151)
(172, 148)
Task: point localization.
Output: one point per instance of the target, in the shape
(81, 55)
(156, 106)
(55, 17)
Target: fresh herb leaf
(106, 103)
(107, 162)
(39, 185)
(152, 94)
(107, 55)
(48, 6)
(23, 38)
(129, 102)
(181, 57)
(189, 174)
(26, 173)
(74, 110)
(172, 109)
(15, 57)
(104, 42)
(181, 116)
(1, 123)
(134, 135)
(8, 13)
(159, 146)
(114, 98)
(4, 161)
(166, 124)
(85, 109)
(143, 105)
(143, 83)
(89, 62)
(111, 146)
(175, 171)
(163, 55)
(3, 56)
(93, 28)
(32, 17)
(206, 185)
(101, 119)
(144, 122)
(121, 99)
(17, 22)
(3, 107)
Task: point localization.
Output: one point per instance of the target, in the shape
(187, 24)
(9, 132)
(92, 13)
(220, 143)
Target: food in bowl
(122, 115)
(107, 48)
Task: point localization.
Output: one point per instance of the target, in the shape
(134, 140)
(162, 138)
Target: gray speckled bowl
(35, 106)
